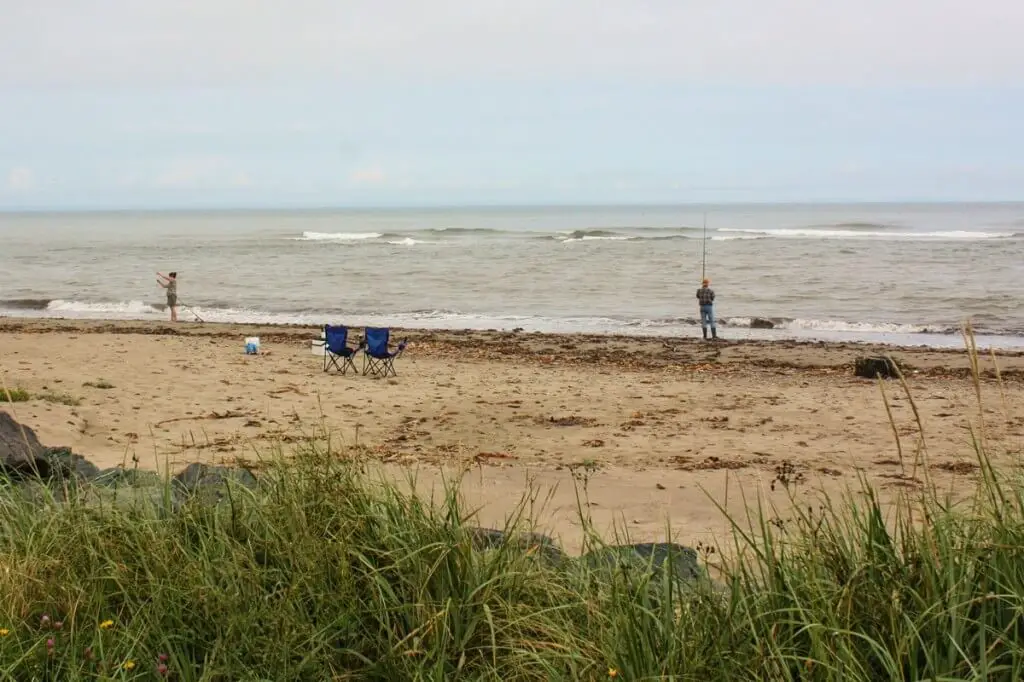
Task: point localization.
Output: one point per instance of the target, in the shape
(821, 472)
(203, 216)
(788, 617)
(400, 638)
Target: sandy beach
(663, 430)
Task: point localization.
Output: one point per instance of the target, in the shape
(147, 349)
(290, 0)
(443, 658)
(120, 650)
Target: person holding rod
(170, 282)
(706, 299)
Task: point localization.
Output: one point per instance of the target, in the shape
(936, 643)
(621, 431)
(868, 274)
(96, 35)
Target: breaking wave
(595, 235)
(839, 231)
(780, 327)
(338, 236)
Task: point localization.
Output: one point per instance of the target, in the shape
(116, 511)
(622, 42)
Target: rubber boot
(705, 332)
(714, 333)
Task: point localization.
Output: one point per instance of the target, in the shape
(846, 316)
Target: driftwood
(875, 367)
(230, 414)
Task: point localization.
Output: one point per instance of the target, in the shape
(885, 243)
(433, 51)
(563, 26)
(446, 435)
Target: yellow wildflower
(612, 672)
(4, 632)
(106, 625)
(128, 665)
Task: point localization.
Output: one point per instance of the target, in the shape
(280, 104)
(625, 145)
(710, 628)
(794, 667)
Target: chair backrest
(377, 341)
(335, 338)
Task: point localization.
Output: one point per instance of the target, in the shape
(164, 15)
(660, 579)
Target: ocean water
(906, 274)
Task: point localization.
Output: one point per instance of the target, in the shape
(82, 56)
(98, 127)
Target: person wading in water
(706, 299)
(170, 282)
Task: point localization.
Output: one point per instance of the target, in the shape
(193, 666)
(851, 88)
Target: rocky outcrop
(655, 556)
(23, 457)
(875, 367)
(546, 547)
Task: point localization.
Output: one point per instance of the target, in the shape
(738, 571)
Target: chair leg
(331, 362)
(375, 367)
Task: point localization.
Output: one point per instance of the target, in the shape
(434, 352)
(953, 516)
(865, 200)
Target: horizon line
(326, 208)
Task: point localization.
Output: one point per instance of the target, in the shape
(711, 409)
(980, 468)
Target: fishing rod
(194, 313)
(704, 247)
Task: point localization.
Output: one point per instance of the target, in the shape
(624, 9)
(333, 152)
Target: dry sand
(669, 428)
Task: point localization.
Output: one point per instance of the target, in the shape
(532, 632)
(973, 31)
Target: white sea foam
(594, 238)
(121, 308)
(736, 328)
(842, 326)
(338, 236)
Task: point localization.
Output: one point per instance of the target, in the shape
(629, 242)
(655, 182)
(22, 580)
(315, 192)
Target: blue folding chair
(378, 360)
(337, 354)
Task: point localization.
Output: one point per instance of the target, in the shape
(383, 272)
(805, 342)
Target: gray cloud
(157, 43)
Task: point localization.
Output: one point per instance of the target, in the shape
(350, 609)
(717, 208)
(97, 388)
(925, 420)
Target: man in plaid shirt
(706, 298)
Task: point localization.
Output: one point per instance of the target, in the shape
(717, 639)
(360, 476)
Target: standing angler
(706, 299)
(170, 282)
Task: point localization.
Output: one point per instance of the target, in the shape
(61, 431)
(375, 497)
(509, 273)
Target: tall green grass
(326, 572)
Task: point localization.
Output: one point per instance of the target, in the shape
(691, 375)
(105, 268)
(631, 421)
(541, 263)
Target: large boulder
(208, 482)
(877, 367)
(23, 457)
(19, 446)
(543, 545)
(647, 556)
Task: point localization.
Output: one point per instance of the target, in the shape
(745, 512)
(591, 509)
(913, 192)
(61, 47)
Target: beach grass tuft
(21, 395)
(325, 571)
(16, 395)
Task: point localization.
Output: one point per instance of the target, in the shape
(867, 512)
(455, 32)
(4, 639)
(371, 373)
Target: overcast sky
(125, 103)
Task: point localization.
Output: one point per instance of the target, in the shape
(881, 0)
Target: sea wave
(338, 236)
(25, 303)
(837, 326)
(93, 308)
(466, 230)
(811, 325)
(835, 233)
(595, 235)
(839, 231)
(857, 226)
